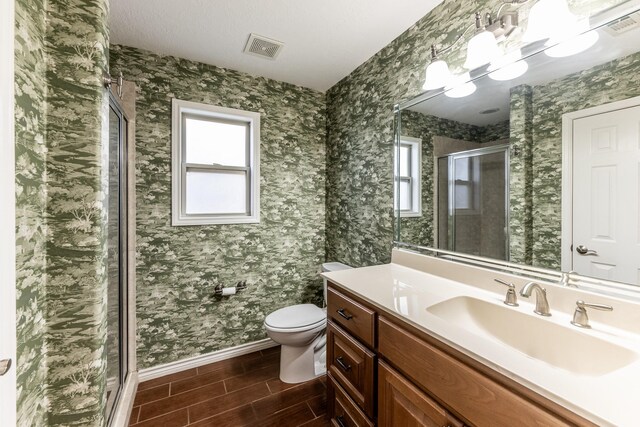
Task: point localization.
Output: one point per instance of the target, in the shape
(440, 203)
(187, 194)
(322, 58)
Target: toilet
(300, 330)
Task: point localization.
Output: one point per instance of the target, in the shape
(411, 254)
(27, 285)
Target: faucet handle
(580, 317)
(511, 297)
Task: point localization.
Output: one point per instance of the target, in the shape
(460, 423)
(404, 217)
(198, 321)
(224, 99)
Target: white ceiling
(324, 39)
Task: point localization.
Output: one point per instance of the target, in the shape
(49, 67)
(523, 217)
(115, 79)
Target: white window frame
(415, 176)
(179, 217)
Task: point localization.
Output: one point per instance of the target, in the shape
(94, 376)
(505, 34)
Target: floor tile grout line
(158, 416)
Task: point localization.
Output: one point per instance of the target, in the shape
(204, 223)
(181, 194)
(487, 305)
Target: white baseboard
(193, 362)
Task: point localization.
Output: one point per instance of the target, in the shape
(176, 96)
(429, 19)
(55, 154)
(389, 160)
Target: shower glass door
(473, 202)
(117, 258)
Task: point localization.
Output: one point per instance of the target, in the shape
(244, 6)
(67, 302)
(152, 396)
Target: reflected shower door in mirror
(472, 204)
(569, 130)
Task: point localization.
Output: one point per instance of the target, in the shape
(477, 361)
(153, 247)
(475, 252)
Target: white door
(7, 220)
(606, 190)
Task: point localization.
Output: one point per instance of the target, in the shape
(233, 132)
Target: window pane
(462, 196)
(216, 192)
(405, 159)
(462, 168)
(209, 142)
(405, 195)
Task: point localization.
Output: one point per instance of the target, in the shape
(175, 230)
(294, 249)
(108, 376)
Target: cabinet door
(400, 403)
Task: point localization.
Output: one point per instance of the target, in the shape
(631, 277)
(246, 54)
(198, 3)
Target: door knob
(5, 365)
(583, 250)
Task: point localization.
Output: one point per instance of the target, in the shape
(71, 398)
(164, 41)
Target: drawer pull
(340, 421)
(343, 314)
(340, 361)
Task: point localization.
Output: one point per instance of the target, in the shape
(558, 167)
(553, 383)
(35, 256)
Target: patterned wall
(360, 131)
(179, 266)
(30, 94)
(61, 50)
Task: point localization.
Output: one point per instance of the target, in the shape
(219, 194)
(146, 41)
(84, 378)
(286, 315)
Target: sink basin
(562, 347)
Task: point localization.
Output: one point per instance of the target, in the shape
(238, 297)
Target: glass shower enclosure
(472, 202)
(117, 366)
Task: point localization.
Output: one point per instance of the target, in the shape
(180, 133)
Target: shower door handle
(583, 250)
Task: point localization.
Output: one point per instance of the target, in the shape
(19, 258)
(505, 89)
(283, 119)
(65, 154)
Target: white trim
(124, 405)
(416, 189)
(178, 216)
(566, 234)
(193, 362)
(8, 407)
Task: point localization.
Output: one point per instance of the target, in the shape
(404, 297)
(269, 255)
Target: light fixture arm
(477, 25)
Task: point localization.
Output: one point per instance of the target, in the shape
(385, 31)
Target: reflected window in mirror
(408, 173)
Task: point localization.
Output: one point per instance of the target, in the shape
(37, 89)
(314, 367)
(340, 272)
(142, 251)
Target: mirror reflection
(537, 162)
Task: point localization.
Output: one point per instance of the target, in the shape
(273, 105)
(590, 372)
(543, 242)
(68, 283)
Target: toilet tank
(331, 266)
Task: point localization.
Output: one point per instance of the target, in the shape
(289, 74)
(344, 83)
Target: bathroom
(403, 228)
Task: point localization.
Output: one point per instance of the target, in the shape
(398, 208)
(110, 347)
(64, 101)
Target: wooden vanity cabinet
(417, 380)
(403, 404)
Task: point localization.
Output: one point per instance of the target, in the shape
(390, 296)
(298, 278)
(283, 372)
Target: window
(466, 183)
(215, 165)
(408, 178)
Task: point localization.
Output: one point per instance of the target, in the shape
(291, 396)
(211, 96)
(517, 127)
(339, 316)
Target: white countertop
(403, 292)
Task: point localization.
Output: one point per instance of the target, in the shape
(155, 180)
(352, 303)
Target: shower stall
(117, 255)
(473, 202)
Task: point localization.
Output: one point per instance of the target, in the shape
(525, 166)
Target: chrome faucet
(542, 305)
(580, 318)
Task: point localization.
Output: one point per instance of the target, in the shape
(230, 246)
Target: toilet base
(300, 364)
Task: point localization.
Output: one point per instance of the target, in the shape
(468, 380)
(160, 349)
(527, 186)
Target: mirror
(541, 170)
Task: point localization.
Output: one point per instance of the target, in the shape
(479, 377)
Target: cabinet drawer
(342, 409)
(352, 365)
(476, 398)
(400, 403)
(357, 319)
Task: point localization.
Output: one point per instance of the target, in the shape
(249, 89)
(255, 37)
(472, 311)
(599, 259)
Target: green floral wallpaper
(31, 152)
(360, 127)
(61, 52)
(177, 267)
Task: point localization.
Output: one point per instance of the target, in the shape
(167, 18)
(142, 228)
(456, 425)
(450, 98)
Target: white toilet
(300, 329)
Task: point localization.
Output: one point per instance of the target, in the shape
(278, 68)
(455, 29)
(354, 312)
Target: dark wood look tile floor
(243, 391)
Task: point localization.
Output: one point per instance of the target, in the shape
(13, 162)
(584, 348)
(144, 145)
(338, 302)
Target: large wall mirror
(536, 163)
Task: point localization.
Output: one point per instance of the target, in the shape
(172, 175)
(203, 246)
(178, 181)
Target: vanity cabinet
(403, 404)
(382, 369)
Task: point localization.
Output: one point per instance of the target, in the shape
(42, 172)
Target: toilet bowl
(300, 330)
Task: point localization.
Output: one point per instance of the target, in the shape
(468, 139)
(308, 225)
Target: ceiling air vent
(263, 47)
(624, 24)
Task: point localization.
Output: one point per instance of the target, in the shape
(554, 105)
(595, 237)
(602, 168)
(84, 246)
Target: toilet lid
(296, 316)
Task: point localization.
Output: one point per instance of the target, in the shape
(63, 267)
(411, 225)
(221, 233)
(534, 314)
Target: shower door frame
(112, 401)
(451, 158)
(121, 410)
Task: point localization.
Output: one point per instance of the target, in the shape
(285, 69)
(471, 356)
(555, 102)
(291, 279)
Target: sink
(562, 347)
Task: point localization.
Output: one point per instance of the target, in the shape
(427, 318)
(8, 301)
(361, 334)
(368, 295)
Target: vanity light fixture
(482, 48)
(566, 35)
(574, 40)
(508, 67)
(460, 86)
(437, 74)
